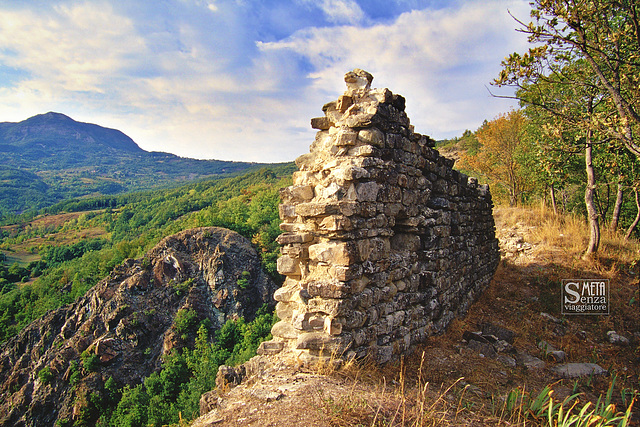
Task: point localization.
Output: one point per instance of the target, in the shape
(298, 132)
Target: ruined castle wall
(384, 243)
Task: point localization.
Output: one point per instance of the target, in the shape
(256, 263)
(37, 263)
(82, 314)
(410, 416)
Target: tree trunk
(635, 221)
(592, 213)
(602, 208)
(615, 217)
(553, 200)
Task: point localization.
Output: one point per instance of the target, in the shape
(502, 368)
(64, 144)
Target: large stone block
(335, 223)
(405, 242)
(334, 252)
(327, 288)
(288, 266)
(367, 191)
(296, 194)
(346, 138)
(322, 123)
(290, 238)
(330, 306)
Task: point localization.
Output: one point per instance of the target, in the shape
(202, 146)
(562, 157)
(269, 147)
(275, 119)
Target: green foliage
(175, 390)
(45, 375)
(76, 373)
(245, 280)
(185, 320)
(90, 361)
(135, 222)
(132, 410)
(54, 255)
(570, 411)
(47, 159)
(182, 288)
(500, 155)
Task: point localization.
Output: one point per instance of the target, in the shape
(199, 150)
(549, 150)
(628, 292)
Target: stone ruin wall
(384, 243)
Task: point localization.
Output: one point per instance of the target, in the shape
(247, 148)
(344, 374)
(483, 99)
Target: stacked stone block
(383, 242)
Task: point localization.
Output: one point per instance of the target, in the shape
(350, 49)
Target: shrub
(45, 375)
(244, 281)
(185, 320)
(91, 362)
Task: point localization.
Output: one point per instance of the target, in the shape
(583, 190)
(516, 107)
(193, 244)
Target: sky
(241, 79)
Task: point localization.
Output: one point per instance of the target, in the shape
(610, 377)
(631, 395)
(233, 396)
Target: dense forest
(68, 261)
(573, 144)
(578, 86)
(524, 168)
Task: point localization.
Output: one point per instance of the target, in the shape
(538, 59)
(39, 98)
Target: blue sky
(240, 79)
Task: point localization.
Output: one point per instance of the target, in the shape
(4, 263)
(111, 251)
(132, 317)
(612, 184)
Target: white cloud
(342, 11)
(189, 84)
(76, 49)
(440, 60)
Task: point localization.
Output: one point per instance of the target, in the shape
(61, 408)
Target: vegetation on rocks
(51, 263)
(93, 337)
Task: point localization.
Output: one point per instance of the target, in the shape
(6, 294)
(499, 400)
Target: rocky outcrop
(123, 326)
(384, 242)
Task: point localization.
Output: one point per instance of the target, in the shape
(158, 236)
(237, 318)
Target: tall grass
(565, 234)
(419, 405)
(542, 409)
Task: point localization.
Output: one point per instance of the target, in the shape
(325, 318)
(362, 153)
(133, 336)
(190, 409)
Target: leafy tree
(605, 34)
(501, 153)
(132, 408)
(185, 320)
(175, 390)
(569, 99)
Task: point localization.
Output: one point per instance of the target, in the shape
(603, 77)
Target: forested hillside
(526, 163)
(51, 157)
(55, 259)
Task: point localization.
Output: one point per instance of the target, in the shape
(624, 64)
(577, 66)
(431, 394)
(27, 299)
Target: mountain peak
(50, 117)
(53, 114)
(54, 130)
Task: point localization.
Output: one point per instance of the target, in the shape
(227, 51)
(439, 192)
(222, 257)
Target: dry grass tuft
(566, 236)
(397, 402)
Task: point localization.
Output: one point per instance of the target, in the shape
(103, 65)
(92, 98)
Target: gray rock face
(127, 321)
(617, 339)
(384, 243)
(575, 370)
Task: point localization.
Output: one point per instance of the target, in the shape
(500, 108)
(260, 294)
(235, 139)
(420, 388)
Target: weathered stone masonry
(384, 243)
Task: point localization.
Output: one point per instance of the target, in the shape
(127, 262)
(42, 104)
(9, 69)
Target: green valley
(56, 257)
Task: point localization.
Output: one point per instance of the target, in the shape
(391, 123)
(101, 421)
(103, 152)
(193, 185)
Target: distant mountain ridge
(55, 131)
(50, 157)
